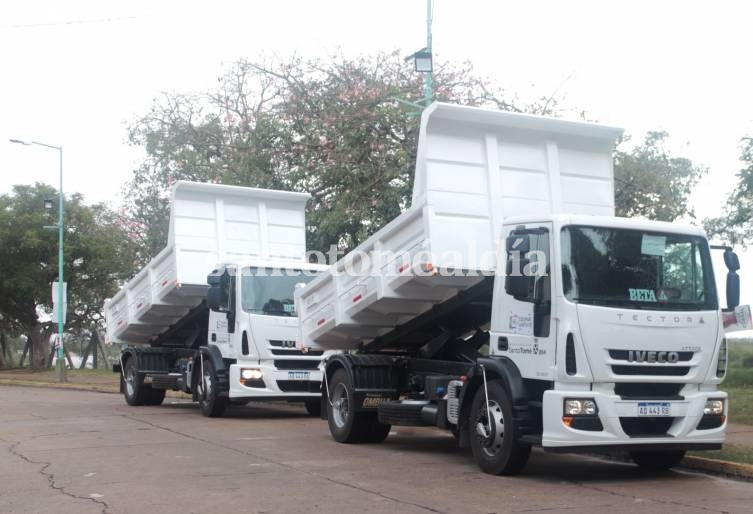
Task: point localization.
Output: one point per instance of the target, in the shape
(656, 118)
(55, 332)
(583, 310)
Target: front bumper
(617, 414)
(278, 384)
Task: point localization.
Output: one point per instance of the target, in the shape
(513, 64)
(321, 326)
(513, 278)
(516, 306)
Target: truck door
(222, 310)
(521, 326)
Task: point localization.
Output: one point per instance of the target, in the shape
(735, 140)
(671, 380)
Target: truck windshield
(270, 291)
(636, 269)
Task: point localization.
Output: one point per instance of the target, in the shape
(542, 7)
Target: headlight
(713, 408)
(580, 407)
(251, 374)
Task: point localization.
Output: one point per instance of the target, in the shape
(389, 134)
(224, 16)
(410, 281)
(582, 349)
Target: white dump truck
(212, 315)
(509, 305)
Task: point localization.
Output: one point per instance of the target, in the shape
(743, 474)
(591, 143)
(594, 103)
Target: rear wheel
(378, 432)
(211, 403)
(345, 424)
(657, 461)
(135, 391)
(493, 433)
(155, 396)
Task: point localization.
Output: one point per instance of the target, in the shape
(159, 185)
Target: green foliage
(650, 183)
(342, 130)
(333, 128)
(736, 225)
(739, 380)
(97, 257)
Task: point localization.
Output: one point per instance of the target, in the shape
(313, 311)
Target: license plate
(299, 375)
(655, 409)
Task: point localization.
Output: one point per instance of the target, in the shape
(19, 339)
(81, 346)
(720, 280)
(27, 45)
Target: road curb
(71, 387)
(104, 389)
(719, 467)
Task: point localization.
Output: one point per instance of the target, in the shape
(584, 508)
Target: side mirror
(517, 284)
(214, 278)
(518, 243)
(733, 279)
(733, 290)
(731, 260)
(214, 298)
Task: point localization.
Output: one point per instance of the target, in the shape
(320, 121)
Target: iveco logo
(646, 356)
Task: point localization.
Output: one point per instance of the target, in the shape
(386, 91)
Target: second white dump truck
(510, 306)
(212, 315)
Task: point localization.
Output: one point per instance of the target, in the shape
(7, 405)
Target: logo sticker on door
(521, 323)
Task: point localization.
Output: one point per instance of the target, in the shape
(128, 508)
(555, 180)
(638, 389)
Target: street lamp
(60, 361)
(423, 58)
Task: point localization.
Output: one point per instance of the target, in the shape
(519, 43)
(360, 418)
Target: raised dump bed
(474, 167)
(209, 224)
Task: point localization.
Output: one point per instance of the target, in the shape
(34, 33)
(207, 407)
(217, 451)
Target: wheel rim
(490, 440)
(340, 406)
(129, 382)
(205, 386)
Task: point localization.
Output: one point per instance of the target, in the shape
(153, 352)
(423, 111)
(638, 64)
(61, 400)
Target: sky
(77, 72)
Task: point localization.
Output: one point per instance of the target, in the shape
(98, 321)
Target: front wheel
(657, 461)
(493, 432)
(212, 405)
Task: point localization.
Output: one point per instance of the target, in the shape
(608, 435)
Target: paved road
(79, 452)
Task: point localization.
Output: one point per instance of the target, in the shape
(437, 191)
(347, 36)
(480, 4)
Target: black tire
(345, 424)
(378, 432)
(657, 461)
(497, 451)
(211, 404)
(314, 407)
(155, 396)
(135, 391)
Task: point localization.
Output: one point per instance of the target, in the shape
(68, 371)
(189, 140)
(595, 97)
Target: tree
(98, 256)
(338, 129)
(649, 182)
(342, 130)
(736, 225)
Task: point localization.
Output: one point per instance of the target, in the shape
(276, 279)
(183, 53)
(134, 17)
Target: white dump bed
(209, 224)
(474, 168)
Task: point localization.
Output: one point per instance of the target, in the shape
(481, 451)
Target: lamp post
(423, 58)
(60, 361)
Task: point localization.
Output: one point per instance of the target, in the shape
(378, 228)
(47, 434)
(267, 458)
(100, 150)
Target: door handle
(502, 344)
(214, 337)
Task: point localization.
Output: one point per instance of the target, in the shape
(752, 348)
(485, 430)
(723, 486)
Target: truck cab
(253, 324)
(618, 321)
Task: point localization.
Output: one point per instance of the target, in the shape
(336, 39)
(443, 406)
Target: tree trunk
(3, 350)
(40, 345)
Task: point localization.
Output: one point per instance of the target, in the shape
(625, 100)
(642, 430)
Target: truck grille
(622, 355)
(310, 353)
(282, 343)
(296, 364)
(299, 386)
(657, 370)
(647, 391)
(646, 427)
